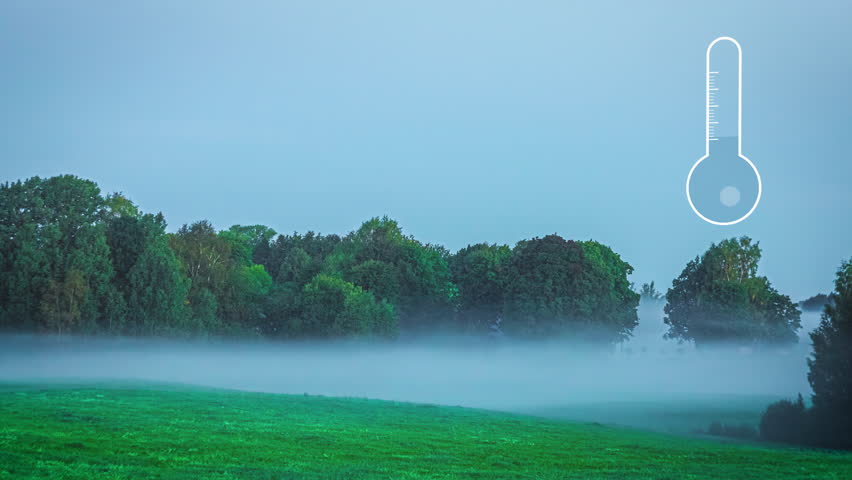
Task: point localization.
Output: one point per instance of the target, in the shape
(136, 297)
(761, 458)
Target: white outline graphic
(708, 129)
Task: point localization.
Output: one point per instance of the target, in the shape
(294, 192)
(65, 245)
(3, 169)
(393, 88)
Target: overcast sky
(465, 121)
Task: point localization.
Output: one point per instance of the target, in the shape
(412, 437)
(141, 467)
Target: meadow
(166, 431)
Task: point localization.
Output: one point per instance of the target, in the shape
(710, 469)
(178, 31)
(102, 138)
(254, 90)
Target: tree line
(73, 261)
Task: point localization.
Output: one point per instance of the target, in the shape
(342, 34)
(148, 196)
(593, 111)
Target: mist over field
(497, 374)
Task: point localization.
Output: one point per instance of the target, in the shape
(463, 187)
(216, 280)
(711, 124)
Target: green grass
(679, 414)
(172, 432)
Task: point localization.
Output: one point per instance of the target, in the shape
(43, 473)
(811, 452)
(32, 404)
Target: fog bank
(496, 374)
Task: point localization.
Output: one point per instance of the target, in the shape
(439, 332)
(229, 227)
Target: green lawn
(172, 432)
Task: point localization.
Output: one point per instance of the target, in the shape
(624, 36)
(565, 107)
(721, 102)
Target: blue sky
(465, 121)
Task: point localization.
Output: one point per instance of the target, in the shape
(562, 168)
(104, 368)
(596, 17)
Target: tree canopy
(720, 298)
(558, 287)
(75, 261)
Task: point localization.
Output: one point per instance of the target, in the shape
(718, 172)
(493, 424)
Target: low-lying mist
(499, 374)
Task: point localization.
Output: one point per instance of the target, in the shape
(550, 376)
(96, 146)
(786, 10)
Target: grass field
(678, 414)
(172, 432)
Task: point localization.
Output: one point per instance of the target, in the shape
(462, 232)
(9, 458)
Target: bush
(786, 422)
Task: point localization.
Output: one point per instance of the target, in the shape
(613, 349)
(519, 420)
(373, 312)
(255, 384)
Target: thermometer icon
(723, 187)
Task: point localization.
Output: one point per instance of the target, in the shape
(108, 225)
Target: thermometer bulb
(723, 187)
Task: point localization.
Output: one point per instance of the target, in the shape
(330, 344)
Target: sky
(466, 121)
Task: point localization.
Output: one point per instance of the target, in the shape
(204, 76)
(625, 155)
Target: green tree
(51, 227)
(559, 287)
(204, 310)
(251, 285)
(830, 367)
(158, 293)
(378, 252)
(380, 278)
(332, 307)
(544, 287)
(117, 205)
(62, 301)
(786, 421)
(609, 299)
(206, 257)
(221, 264)
(26, 277)
(815, 303)
(129, 236)
(103, 309)
(479, 271)
(297, 258)
(257, 237)
(649, 293)
(208, 260)
(291, 261)
(719, 297)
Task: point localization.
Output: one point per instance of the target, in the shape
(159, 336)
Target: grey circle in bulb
(729, 196)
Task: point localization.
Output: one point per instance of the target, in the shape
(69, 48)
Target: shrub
(786, 422)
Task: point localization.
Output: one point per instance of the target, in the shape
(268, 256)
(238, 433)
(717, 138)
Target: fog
(496, 374)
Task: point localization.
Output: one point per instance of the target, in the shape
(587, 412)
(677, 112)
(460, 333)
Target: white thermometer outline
(707, 127)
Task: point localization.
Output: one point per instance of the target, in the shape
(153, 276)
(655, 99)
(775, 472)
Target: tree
(158, 293)
(116, 205)
(103, 308)
(220, 264)
(816, 303)
(291, 261)
(257, 237)
(26, 277)
(332, 307)
(559, 287)
(51, 237)
(380, 278)
(786, 421)
(649, 293)
(479, 271)
(250, 287)
(830, 367)
(206, 257)
(719, 297)
(127, 237)
(298, 258)
(610, 300)
(208, 261)
(379, 252)
(62, 301)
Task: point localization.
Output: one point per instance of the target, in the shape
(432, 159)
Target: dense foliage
(56, 269)
(830, 373)
(556, 286)
(74, 261)
(827, 423)
(787, 422)
(480, 273)
(720, 298)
